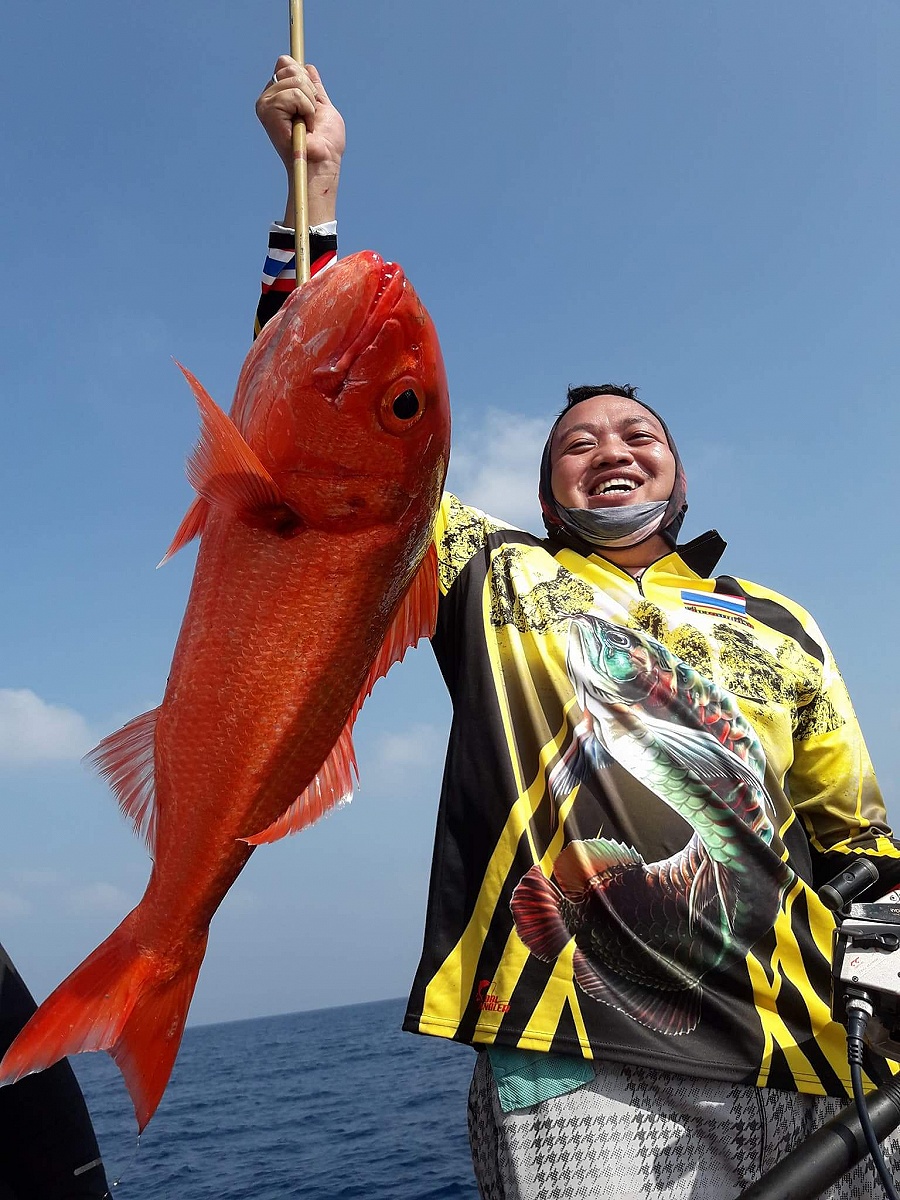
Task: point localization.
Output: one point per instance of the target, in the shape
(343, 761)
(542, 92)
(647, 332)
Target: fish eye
(403, 405)
(406, 405)
(618, 639)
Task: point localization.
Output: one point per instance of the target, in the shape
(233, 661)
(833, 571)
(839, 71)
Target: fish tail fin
(118, 1000)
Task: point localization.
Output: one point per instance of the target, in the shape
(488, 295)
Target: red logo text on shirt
(488, 1001)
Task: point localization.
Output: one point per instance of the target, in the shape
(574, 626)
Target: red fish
(315, 573)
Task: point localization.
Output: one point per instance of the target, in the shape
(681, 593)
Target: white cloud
(419, 746)
(12, 905)
(32, 731)
(495, 466)
(100, 898)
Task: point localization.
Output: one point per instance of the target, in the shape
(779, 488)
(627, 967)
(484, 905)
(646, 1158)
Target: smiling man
(611, 475)
(651, 768)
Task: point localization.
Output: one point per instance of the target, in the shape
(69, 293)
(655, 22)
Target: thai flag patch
(716, 604)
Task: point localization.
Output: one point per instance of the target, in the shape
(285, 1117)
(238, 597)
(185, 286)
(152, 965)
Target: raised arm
(832, 784)
(297, 91)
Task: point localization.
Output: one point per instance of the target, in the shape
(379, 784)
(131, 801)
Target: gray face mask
(615, 527)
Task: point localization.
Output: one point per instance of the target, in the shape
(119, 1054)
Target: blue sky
(699, 199)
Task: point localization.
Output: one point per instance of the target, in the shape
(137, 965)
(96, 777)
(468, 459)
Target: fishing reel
(865, 998)
(866, 961)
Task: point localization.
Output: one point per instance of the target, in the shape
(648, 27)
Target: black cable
(857, 1020)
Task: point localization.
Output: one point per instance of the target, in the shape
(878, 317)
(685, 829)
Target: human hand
(297, 91)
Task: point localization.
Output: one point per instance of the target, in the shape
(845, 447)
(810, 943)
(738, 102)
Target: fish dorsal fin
(583, 861)
(415, 618)
(225, 471)
(126, 760)
(333, 786)
(190, 527)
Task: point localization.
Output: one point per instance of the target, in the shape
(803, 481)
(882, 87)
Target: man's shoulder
(776, 610)
(461, 531)
(455, 511)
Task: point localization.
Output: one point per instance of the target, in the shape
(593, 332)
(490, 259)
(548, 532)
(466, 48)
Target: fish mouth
(386, 297)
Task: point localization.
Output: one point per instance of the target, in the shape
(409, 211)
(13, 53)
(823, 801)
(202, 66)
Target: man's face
(609, 451)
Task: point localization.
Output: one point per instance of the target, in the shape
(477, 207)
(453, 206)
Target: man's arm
(832, 781)
(298, 92)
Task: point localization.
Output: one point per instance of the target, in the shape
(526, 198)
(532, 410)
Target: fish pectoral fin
(190, 527)
(332, 787)
(126, 760)
(227, 473)
(586, 756)
(701, 753)
(536, 908)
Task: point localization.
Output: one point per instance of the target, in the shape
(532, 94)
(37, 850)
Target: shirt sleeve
(279, 270)
(832, 781)
(460, 532)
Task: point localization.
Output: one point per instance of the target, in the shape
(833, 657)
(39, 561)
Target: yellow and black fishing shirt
(645, 782)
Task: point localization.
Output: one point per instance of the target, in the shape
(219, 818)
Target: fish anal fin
(226, 471)
(596, 859)
(332, 786)
(191, 526)
(666, 1010)
(126, 760)
(118, 1000)
(537, 911)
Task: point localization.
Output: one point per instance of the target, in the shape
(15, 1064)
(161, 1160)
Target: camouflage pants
(634, 1133)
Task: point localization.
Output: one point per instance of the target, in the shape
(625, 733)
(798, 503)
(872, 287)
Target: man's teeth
(615, 485)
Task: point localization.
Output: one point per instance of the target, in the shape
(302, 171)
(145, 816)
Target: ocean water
(332, 1105)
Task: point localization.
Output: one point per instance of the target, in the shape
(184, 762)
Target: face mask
(615, 527)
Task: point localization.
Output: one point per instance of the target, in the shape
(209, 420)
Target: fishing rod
(865, 998)
(298, 146)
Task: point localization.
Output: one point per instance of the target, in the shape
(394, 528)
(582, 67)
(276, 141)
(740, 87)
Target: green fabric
(526, 1077)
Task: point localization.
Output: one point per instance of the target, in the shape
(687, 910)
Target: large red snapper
(315, 573)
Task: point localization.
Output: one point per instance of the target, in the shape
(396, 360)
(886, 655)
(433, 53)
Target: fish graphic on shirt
(647, 933)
